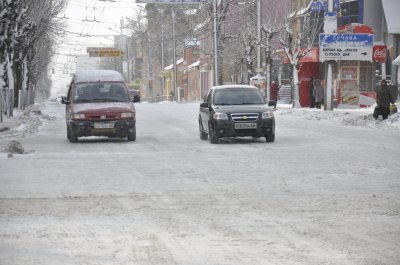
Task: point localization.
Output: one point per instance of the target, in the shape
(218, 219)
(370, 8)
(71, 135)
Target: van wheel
(72, 136)
(132, 136)
(68, 133)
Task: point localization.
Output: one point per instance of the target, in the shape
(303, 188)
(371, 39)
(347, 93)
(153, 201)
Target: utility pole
(162, 57)
(174, 55)
(329, 72)
(150, 69)
(128, 58)
(215, 20)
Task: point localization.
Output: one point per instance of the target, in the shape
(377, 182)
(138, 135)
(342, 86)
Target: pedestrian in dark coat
(383, 98)
(318, 94)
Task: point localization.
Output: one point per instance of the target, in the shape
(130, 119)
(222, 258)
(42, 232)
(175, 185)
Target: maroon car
(98, 104)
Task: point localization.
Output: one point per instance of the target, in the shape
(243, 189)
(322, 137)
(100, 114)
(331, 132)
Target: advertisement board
(104, 52)
(379, 53)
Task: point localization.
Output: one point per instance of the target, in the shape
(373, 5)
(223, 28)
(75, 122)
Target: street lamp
(258, 35)
(214, 14)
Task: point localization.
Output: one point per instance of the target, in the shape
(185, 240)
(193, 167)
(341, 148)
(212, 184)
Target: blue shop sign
(318, 6)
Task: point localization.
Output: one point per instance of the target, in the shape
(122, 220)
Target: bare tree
(250, 43)
(269, 32)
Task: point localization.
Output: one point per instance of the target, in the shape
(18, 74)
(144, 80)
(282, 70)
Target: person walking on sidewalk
(274, 92)
(318, 93)
(312, 97)
(383, 99)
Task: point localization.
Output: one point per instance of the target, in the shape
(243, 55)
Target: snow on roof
(197, 63)
(169, 67)
(85, 76)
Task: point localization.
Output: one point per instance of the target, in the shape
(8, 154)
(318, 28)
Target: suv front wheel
(203, 135)
(213, 134)
(270, 137)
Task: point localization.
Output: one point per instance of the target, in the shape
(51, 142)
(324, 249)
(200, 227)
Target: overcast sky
(85, 19)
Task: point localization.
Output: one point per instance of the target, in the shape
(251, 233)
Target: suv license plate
(103, 125)
(245, 125)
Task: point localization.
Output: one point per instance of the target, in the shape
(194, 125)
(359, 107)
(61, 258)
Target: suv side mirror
(64, 100)
(204, 105)
(272, 103)
(136, 98)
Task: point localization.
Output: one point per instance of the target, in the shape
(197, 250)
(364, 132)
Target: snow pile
(25, 122)
(351, 117)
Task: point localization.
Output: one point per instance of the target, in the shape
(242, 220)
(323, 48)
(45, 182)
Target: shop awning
(391, 9)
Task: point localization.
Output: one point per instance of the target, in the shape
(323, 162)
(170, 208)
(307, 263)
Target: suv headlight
(267, 115)
(220, 116)
(127, 115)
(78, 116)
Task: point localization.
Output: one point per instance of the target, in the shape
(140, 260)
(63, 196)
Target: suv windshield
(238, 97)
(101, 92)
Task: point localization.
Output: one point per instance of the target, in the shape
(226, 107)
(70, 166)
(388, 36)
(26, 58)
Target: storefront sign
(345, 47)
(355, 28)
(379, 53)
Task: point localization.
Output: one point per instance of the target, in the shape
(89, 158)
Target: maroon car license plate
(101, 125)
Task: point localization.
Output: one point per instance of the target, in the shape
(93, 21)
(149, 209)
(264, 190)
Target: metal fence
(6, 103)
(25, 98)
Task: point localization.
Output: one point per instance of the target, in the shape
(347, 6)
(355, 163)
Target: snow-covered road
(327, 191)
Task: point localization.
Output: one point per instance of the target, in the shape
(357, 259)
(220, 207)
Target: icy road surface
(327, 191)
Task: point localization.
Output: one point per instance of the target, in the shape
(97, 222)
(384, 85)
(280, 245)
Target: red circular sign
(379, 53)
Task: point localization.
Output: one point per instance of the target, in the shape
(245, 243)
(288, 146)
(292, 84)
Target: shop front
(309, 67)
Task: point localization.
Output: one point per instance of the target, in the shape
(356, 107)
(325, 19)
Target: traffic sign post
(345, 47)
